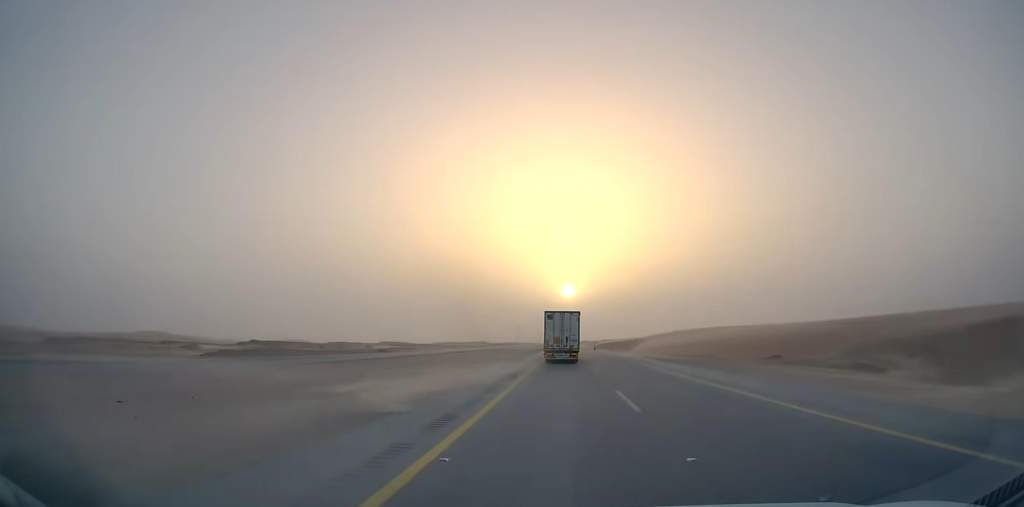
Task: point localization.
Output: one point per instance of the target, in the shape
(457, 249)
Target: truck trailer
(561, 336)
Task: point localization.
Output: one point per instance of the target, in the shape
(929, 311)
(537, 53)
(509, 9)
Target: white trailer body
(561, 335)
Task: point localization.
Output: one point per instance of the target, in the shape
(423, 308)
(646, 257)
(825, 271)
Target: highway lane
(619, 431)
(613, 430)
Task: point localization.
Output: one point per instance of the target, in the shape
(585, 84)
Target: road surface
(618, 430)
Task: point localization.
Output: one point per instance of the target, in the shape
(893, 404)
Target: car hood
(915, 503)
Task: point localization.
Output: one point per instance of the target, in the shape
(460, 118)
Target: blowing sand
(959, 358)
(103, 429)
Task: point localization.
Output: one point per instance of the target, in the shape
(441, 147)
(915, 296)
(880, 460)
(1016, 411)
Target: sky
(441, 170)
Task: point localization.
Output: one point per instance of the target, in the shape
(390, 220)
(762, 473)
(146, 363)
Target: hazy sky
(440, 170)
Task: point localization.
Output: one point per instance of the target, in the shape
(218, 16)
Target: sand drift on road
(963, 359)
(129, 430)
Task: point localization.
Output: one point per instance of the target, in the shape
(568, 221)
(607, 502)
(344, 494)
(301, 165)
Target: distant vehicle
(561, 336)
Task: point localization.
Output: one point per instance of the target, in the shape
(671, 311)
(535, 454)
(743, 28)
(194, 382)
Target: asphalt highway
(490, 427)
(620, 431)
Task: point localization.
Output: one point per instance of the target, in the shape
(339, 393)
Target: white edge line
(629, 402)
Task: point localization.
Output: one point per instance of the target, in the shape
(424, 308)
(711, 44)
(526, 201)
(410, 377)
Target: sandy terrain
(124, 418)
(123, 429)
(39, 343)
(965, 358)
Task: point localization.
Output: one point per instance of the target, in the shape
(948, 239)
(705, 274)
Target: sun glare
(545, 196)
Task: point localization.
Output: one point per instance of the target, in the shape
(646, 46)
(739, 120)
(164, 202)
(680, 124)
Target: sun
(568, 290)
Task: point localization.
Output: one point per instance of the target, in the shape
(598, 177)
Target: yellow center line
(852, 422)
(406, 476)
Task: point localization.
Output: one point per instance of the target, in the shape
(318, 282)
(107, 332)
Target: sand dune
(32, 335)
(16, 340)
(964, 346)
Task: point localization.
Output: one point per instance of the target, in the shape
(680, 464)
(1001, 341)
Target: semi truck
(561, 336)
